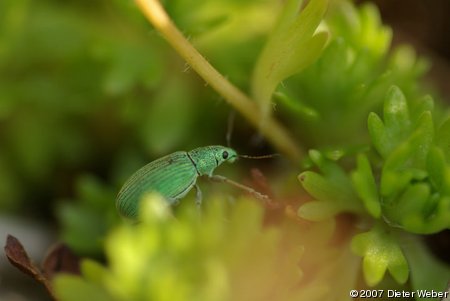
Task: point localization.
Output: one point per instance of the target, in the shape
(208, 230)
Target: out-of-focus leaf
(72, 288)
(168, 119)
(204, 258)
(421, 261)
(437, 170)
(60, 259)
(292, 45)
(297, 106)
(443, 139)
(84, 224)
(133, 65)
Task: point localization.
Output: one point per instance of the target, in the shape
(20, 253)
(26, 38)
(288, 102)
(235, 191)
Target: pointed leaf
(396, 115)
(436, 167)
(16, 254)
(378, 135)
(329, 193)
(422, 138)
(365, 186)
(312, 49)
(443, 139)
(290, 48)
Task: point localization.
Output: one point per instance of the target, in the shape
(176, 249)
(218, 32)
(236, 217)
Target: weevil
(174, 175)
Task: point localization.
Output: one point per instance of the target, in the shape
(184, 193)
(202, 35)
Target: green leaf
(433, 220)
(85, 222)
(318, 210)
(439, 170)
(381, 252)
(331, 198)
(300, 60)
(74, 288)
(425, 134)
(297, 106)
(421, 260)
(362, 27)
(328, 167)
(291, 47)
(396, 115)
(93, 271)
(443, 139)
(333, 190)
(407, 160)
(378, 135)
(396, 126)
(167, 121)
(373, 34)
(365, 186)
(424, 104)
(412, 201)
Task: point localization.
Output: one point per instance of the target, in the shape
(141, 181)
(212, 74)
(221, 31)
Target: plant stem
(272, 130)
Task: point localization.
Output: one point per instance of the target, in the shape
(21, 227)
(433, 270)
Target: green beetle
(173, 176)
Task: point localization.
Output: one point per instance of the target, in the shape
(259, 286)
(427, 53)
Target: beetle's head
(225, 154)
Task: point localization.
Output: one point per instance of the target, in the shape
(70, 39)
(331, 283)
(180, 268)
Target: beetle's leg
(250, 190)
(174, 202)
(198, 197)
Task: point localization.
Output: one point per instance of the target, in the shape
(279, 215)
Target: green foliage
(90, 93)
(86, 222)
(148, 260)
(290, 48)
(349, 79)
(414, 181)
(365, 186)
(332, 190)
(411, 190)
(98, 94)
(229, 33)
(420, 260)
(408, 186)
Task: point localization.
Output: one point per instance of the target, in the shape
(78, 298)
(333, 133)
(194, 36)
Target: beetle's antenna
(259, 157)
(230, 127)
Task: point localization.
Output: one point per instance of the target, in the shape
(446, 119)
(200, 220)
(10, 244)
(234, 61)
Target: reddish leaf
(18, 257)
(16, 254)
(60, 259)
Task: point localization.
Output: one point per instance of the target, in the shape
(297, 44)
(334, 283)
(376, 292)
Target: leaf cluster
(146, 261)
(111, 96)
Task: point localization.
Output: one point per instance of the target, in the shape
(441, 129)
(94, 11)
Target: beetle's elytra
(173, 176)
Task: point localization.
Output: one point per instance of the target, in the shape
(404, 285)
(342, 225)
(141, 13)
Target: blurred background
(424, 25)
(89, 93)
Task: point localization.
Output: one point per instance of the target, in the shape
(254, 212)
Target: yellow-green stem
(272, 130)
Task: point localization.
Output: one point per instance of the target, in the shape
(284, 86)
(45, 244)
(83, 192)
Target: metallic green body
(173, 176)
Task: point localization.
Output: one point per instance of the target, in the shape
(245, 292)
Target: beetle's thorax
(208, 158)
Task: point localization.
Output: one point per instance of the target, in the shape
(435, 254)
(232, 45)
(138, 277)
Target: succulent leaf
(380, 252)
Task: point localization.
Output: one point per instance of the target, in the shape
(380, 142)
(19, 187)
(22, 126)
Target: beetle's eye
(225, 155)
